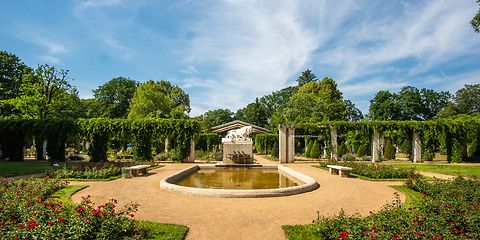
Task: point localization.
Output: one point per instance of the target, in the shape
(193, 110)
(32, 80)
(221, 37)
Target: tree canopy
(253, 113)
(12, 70)
(216, 117)
(307, 76)
(465, 101)
(159, 99)
(46, 92)
(114, 97)
(475, 22)
(316, 101)
(408, 104)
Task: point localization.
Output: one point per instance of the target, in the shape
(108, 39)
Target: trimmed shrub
(275, 150)
(315, 152)
(406, 147)
(308, 152)
(389, 151)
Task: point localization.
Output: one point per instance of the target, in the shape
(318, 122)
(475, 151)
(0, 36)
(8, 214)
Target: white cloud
(255, 48)
(431, 33)
(49, 59)
(85, 4)
(369, 87)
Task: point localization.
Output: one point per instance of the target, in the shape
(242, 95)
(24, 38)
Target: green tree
(384, 107)
(44, 93)
(353, 113)
(476, 20)
(316, 101)
(216, 117)
(276, 101)
(114, 97)
(159, 100)
(410, 101)
(253, 113)
(433, 102)
(307, 76)
(12, 71)
(465, 101)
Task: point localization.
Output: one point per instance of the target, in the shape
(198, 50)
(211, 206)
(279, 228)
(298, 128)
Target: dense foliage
(265, 142)
(159, 99)
(408, 104)
(452, 134)
(28, 211)
(98, 132)
(113, 97)
(375, 170)
(208, 141)
(216, 117)
(448, 210)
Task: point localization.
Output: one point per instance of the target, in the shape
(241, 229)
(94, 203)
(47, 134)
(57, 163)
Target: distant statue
(239, 135)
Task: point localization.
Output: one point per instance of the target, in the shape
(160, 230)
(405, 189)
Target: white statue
(239, 135)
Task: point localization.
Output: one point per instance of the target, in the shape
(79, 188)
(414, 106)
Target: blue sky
(226, 53)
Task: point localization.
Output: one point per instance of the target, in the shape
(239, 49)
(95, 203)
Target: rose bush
(448, 210)
(29, 211)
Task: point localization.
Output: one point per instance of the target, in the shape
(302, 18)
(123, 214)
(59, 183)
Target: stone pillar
(44, 147)
(416, 148)
(291, 144)
(191, 157)
(333, 135)
(282, 144)
(375, 146)
(166, 145)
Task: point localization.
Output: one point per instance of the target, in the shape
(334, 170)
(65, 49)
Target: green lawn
(66, 193)
(10, 169)
(410, 195)
(448, 169)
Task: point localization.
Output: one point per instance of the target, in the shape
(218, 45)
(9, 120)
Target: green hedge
(98, 131)
(264, 142)
(206, 141)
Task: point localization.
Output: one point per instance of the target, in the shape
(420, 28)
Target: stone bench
(339, 170)
(139, 169)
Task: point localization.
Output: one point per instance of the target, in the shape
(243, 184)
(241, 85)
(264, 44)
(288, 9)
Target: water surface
(239, 178)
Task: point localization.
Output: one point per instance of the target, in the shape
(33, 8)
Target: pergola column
(375, 145)
(333, 135)
(282, 144)
(416, 148)
(191, 157)
(291, 144)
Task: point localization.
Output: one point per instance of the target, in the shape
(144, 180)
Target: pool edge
(309, 185)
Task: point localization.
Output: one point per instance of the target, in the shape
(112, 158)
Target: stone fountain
(238, 146)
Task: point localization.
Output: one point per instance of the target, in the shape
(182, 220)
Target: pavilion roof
(235, 125)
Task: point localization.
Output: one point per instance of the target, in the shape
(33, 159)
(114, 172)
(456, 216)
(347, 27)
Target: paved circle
(241, 218)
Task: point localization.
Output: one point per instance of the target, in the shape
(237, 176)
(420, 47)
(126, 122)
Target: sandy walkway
(227, 218)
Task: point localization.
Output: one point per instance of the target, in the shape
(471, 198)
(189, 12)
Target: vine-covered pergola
(455, 132)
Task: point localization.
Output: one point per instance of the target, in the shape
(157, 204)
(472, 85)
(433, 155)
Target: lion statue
(239, 135)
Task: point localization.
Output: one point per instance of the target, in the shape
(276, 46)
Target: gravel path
(229, 218)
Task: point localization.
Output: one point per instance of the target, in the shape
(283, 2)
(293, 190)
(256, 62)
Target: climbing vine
(98, 132)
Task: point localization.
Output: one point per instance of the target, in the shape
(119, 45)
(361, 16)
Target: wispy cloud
(254, 48)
